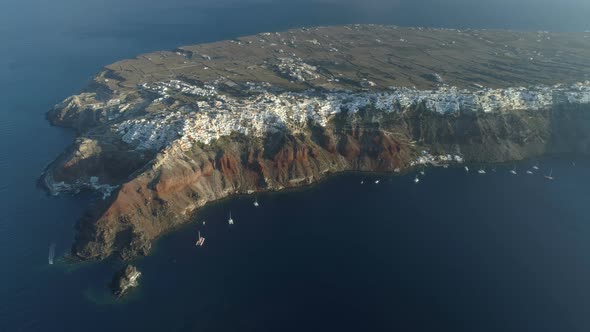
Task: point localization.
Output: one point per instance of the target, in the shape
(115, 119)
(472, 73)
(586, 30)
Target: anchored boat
(513, 171)
(550, 176)
(200, 240)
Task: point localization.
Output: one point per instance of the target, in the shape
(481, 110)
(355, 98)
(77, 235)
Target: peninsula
(161, 135)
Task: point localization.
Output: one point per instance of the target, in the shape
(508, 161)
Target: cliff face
(165, 133)
(158, 196)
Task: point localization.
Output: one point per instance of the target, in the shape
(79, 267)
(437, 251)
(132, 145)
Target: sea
(459, 251)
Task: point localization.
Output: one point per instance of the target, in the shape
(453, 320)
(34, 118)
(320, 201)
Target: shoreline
(169, 132)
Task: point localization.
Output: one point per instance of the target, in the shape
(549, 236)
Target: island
(125, 280)
(161, 135)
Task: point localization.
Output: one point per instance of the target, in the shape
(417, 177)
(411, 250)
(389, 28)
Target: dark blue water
(455, 253)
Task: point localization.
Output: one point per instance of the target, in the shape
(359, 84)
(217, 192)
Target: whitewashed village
(220, 115)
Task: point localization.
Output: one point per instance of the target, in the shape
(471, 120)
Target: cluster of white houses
(265, 111)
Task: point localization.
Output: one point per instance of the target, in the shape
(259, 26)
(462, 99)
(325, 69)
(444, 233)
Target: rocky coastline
(162, 135)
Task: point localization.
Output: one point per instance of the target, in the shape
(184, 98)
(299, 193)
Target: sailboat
(256, 202)
(230, 220)
(200, 240)
(513, 171)
(550, 176)
(51, 253)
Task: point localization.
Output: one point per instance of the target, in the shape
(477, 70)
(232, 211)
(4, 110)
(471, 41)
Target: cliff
(160, 147)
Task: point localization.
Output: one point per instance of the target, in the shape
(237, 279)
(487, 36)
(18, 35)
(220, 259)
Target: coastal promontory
(161, 135)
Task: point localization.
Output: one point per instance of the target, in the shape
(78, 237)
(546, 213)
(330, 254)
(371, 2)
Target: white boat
(466, 169)
(204, 222)
(536, 167)
(256, 202)
(550, 176)
(529, 172)
(200, 240)
(377, 181)
(230, 220)
(362, 182)
(416, 179)
(481, 171)
(513, 171)
(51, 253)
(422, 172)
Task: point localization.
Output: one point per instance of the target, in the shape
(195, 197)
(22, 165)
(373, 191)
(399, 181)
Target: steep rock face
(164, 194)
(165, 133)
(90, 109)
(485, 137)
(73, 112)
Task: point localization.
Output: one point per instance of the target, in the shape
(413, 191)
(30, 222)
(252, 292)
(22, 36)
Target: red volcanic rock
(165, 192)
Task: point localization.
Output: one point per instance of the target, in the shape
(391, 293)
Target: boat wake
(51, 253)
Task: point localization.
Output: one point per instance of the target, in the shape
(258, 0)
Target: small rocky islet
(125, 280)
(161, 135)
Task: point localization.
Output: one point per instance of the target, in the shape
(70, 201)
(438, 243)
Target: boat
(230, 220)
(256, 202)
(377, 181)
(362, 182)
(550, 176)
(513, 171)
(51, 253)
(203, 222)
(466, 169)
(529, 172)
(536, 167)
(200, 240)
(422, 172)
(481, 171)
(416, 179)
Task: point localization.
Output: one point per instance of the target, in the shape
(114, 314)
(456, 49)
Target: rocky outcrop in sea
(124, 280)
